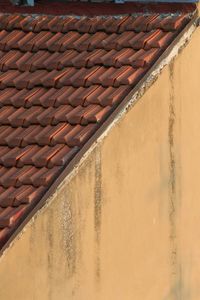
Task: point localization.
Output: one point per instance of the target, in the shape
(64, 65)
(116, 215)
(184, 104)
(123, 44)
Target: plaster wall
(126, 227)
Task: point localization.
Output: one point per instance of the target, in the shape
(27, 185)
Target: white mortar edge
(133, 100)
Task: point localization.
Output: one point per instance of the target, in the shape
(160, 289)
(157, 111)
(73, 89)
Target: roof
(60, 79)
(60, 7)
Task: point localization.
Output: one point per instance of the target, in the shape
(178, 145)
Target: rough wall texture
(127, 225)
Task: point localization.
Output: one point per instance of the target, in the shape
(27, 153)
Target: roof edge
(129, 101)
(58, 7)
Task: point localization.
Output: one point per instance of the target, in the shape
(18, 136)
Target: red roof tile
(60, 78)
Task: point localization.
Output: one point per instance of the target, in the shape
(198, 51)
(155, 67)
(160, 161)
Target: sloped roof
(60, 79)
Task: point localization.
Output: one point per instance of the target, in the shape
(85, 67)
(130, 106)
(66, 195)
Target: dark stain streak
(50, 253)
(175, 267)
(68, 236)
(98, 210)
(172, 182)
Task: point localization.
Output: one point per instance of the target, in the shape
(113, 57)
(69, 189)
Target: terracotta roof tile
(10, 215)
(60, 78)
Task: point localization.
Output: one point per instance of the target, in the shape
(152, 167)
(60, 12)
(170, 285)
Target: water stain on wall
(176, 271)
(50, 253)
(98, 212)
(68, 242)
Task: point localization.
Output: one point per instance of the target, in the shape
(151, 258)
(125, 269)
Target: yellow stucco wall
(126, 227)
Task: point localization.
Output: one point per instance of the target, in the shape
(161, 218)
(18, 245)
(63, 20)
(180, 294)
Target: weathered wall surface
(127, 225)
(186, 87)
